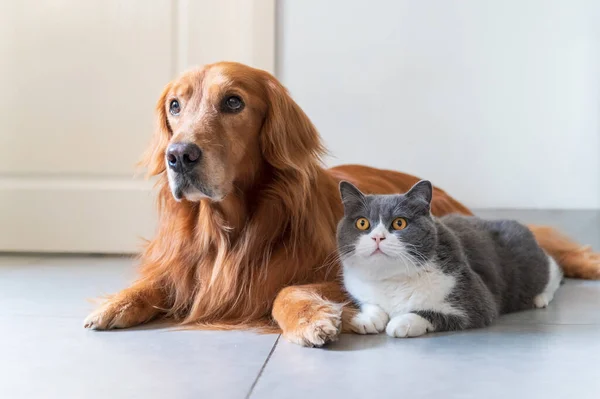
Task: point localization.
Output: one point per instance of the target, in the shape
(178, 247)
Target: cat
(411, 273)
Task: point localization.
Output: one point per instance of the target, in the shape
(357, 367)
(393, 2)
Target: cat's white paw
(371, 320)
(408, 325)
(556, 275)
(542, 301)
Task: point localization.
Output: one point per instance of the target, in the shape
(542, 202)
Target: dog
(248, 214)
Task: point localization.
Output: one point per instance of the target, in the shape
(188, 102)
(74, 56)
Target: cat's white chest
(426, 289)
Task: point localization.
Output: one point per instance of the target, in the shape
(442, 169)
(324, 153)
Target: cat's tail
(576, 260)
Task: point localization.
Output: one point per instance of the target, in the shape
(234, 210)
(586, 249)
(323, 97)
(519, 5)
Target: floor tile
(575, 302)
(45, 353)
(503, 361)
(44, 357)
(62, 286)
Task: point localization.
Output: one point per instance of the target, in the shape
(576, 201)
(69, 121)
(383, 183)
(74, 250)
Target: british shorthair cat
(412, 273)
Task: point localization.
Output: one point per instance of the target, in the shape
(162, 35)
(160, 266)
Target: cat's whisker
(327, 265)
(400, 248)
(418, 270)
(419, 256)
(414, 251)
(406, 265)
(335, 257)
(428, 278)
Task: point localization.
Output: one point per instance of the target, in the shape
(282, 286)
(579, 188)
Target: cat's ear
(350, 194)
(422, 190)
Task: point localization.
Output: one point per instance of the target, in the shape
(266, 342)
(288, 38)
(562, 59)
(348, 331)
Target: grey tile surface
(50, 357)
(576, 302)
(504, 361)
(61, 286)
(45, 353)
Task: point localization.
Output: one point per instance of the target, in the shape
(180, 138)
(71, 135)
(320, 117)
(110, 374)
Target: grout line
(262, 369)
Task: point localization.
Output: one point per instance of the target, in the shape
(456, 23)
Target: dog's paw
(323, 326)
(116, 314)
(408, 325)
(370, 320)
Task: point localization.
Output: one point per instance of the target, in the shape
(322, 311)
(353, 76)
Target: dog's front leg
(135, 305)
(312, 314)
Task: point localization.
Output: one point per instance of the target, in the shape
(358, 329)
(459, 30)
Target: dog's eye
(233, 104)
(174, 107)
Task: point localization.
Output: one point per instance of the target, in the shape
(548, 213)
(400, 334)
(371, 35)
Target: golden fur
(261, 252)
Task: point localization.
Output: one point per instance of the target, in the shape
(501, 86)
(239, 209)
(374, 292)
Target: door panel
(79, 84)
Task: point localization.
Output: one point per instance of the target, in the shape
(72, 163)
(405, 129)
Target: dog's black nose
(182, 157)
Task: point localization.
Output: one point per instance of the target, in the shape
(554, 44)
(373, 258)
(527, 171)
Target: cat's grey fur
(481, 268)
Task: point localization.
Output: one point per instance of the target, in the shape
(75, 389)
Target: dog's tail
(576, 260)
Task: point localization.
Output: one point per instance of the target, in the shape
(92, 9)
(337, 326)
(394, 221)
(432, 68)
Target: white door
(78, 85)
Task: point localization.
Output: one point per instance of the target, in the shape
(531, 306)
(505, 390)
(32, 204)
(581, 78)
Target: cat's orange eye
(399, 224)
(362, 224)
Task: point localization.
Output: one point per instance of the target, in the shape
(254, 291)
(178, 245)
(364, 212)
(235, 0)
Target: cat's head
(383, 230)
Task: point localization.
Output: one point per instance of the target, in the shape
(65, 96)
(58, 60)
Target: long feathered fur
(212, 274)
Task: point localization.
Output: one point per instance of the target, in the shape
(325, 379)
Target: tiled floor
(45, 352)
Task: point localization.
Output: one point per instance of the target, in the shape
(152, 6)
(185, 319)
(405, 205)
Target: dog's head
(219, 125)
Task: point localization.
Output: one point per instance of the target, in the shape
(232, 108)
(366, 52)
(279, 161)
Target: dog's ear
(154, 157)
(288, 138)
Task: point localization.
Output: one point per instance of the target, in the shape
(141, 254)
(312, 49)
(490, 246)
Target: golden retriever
(248, 214)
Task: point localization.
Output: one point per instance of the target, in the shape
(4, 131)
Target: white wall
(496, 101)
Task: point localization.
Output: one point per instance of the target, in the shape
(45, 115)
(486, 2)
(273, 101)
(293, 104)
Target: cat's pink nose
(378, 238)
